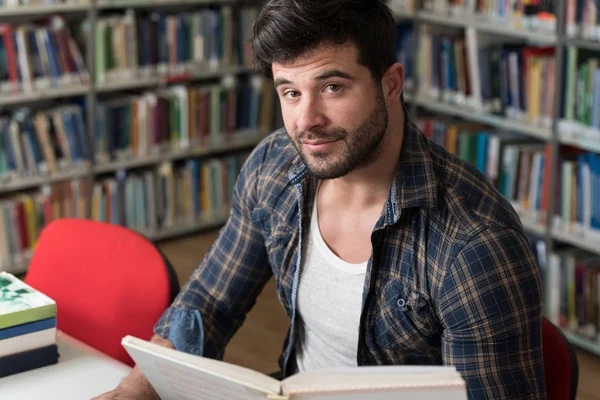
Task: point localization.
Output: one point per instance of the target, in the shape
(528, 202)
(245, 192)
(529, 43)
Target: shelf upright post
(559, 70)
(92, 16)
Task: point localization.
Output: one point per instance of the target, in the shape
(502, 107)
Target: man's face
(333, 110)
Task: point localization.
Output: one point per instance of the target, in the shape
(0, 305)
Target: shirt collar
(414, 185)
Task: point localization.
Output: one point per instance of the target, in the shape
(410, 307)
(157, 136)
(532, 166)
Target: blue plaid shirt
(451, 279)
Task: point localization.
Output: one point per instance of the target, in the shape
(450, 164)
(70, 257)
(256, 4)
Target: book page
(180, 376)
(377, 382)
(404, 394)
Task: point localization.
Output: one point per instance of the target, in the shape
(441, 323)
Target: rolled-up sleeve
(213, 303)
(491, 310)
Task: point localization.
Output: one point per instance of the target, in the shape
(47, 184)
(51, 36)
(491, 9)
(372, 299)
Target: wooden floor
(258, 343)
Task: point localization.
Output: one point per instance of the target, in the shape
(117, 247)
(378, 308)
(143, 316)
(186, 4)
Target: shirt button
(528, 389)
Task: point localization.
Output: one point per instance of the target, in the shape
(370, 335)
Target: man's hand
(135, 386)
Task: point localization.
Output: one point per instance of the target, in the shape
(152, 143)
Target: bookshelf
(567, 130)
(216, 108)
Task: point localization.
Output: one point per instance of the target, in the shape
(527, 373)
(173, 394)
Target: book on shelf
(27, 327)
(580, 118)
(405, 40)
(175, 374)
(141, 45)
(39, 56)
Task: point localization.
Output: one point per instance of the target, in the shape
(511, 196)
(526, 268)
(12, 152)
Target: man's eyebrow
(334, 73)
(281, 81)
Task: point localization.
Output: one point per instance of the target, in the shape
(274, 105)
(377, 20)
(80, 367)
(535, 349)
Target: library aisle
(141, 114)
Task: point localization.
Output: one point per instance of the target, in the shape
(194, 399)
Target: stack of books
(27, 327)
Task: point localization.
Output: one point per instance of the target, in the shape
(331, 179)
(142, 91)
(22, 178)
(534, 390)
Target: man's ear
(393, 83)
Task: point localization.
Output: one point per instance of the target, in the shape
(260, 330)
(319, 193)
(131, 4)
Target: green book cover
(107, 45)
(571, 83)
(215, 113)
(100, 51)
(582, 92)
(21, 304)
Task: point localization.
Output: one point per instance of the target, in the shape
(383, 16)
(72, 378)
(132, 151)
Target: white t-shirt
(329, 305)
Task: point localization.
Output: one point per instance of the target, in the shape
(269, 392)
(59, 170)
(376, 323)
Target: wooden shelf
(239, 141)
(576, 240)
(207, 222)
(6, 11)
(7, 99)
(103, 4)
(583, 342)
(477, 116)
(27, 183)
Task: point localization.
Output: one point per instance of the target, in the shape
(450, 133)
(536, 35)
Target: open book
(177, 375)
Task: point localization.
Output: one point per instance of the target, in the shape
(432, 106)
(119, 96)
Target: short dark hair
(287, 29)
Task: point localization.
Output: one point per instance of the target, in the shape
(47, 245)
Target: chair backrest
(107, 281)
(560, 364)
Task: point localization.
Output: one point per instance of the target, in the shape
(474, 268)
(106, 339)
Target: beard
(360, 147)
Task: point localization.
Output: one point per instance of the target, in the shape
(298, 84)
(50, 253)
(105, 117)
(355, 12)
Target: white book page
(376, 383)
(441, 393)
(177, 375)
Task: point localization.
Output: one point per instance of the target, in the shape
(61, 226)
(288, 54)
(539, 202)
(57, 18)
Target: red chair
(560, 364)
(107, 281)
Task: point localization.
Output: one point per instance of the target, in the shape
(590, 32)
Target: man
(385, 248)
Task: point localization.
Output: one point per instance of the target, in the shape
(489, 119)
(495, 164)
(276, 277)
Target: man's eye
(334, 88)
(291, 94)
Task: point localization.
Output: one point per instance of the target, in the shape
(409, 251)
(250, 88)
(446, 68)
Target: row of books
(34, 57)
(582, 19)
(515, 165)
(580, 117)
(519, 168)
(44, 142)
(27, 327)
(170, 195)
(511, 80)
(52, 141)
(181, 118)
(130, 46)
(578, 192)
(23, 216)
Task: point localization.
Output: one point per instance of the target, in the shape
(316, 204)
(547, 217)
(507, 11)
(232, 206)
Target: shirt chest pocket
(405, 318)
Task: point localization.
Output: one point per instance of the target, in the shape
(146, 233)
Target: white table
(81, 373)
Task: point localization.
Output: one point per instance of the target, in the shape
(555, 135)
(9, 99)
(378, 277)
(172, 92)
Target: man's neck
(371, 184)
